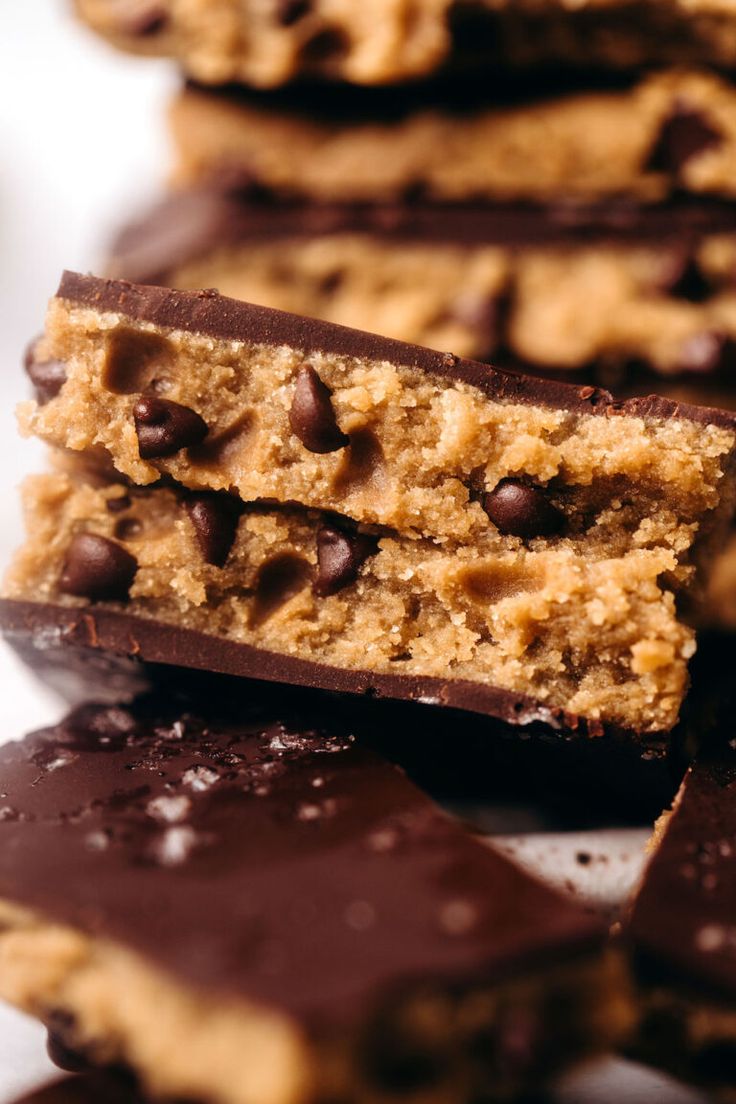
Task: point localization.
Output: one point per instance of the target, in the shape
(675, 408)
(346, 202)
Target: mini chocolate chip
(215, 519)
(340, 556)
(311, 417)
(683, 278)
(72, 1061)
(128, 528)
(47, 376)
(684, 134)
(146, 20)
(165, 427)
(97, 568)
(707, 353)
(289, 12)
(522, 510)
(117, 505)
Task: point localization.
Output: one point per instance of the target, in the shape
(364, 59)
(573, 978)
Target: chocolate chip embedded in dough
(683, 278)
(47, 376)
(520, 510)
(684, 134)
(289, 12)
(165, 428)
(707, 353)
(143, 19)
(311, 417)
(118, 504)
(72, 1061)
(340, 556)
(97, 568)
(215, 520)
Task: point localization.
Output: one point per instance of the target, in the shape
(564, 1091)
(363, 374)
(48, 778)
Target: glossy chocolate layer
(43, 632)
(683, 920)
(209, 313)
(189, 224)
(269, 858)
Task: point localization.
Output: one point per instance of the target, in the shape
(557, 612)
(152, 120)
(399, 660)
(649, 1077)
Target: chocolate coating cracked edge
(37, 629)
(682, 921)
(216, 316)
(264, 844)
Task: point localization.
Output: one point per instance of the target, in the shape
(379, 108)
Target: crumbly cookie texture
(327, 932)
(267, 44)
(588, 627)
(668, 308)
(671, 131)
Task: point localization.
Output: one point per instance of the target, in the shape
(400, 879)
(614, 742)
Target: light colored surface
(81, 144)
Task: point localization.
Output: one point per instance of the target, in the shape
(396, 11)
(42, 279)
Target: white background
(82, 145)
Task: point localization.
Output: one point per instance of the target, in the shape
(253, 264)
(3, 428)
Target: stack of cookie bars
(271, 545)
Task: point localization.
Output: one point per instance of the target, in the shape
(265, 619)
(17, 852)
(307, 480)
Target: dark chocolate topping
(188, 225)
(114, 632)
(311, 417)
(232, 320)
(299, 870)
(522, 510)
(165, 428)
(340, 556)
(215, 517)
(682, 921)
(97, 568)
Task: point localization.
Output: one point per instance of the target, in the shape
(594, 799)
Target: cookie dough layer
(671, 132)
(504, 283)
(222, 395)
(328, 933)
(267, 44)
(589, 630)
(681, 928)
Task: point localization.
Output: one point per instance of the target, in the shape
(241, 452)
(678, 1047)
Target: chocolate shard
(521, 510)
(165, 428)
(358, 904)
(215, 518)
(47, 376)
(311, 417)
(685, 133)
(340, 556)
(98, 569)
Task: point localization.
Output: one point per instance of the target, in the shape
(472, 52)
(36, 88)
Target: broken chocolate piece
(311, 417)
(98, 569)
(685, 134)
(369, 924)
(340, 556)
(215, 519)
(681, 926)
(165, 428)
(521, 510)
(47, 376)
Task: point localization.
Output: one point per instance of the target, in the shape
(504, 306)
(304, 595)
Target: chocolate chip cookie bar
(264, 911)
(682, 930)
(446, 220)
(267, 44)
(359, 514)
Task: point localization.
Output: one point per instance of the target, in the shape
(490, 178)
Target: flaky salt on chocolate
(365, 515)
(270, 893)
